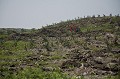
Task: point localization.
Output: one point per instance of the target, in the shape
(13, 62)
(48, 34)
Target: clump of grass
(113, 77)
(36, 73)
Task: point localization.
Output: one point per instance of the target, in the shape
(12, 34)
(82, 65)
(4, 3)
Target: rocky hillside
(80, 48)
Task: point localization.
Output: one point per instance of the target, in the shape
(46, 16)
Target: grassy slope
(42, 53)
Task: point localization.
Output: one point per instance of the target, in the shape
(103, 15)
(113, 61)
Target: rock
(113, 67)
(116, 51)
(83, 71)
(12, 65)
(69, 63)
(99, 60)
(47, 69)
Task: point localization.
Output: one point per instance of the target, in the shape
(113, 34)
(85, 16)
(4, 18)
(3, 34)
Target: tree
(110, 15)
(103, 15)
(98, 16)
(93, 16)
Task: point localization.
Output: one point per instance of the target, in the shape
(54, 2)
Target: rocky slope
(80, 47)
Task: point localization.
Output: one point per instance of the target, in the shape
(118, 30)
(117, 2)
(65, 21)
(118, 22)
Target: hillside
(88, 48)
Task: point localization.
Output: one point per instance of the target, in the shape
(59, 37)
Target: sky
(38, 13)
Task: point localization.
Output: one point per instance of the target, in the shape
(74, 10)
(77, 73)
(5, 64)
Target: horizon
(30, 14)
(58, 22)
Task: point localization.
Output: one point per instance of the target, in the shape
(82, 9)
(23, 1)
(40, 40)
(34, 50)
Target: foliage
(36, 73)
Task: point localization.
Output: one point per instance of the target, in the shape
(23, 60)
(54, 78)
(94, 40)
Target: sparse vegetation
(91, 49)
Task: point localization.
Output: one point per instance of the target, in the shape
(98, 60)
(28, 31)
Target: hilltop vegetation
(83, 48)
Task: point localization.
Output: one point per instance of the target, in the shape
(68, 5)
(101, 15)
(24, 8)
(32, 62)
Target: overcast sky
(37, 13)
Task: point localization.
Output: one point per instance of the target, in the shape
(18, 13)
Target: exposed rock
(47, 69)
(69, 63)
